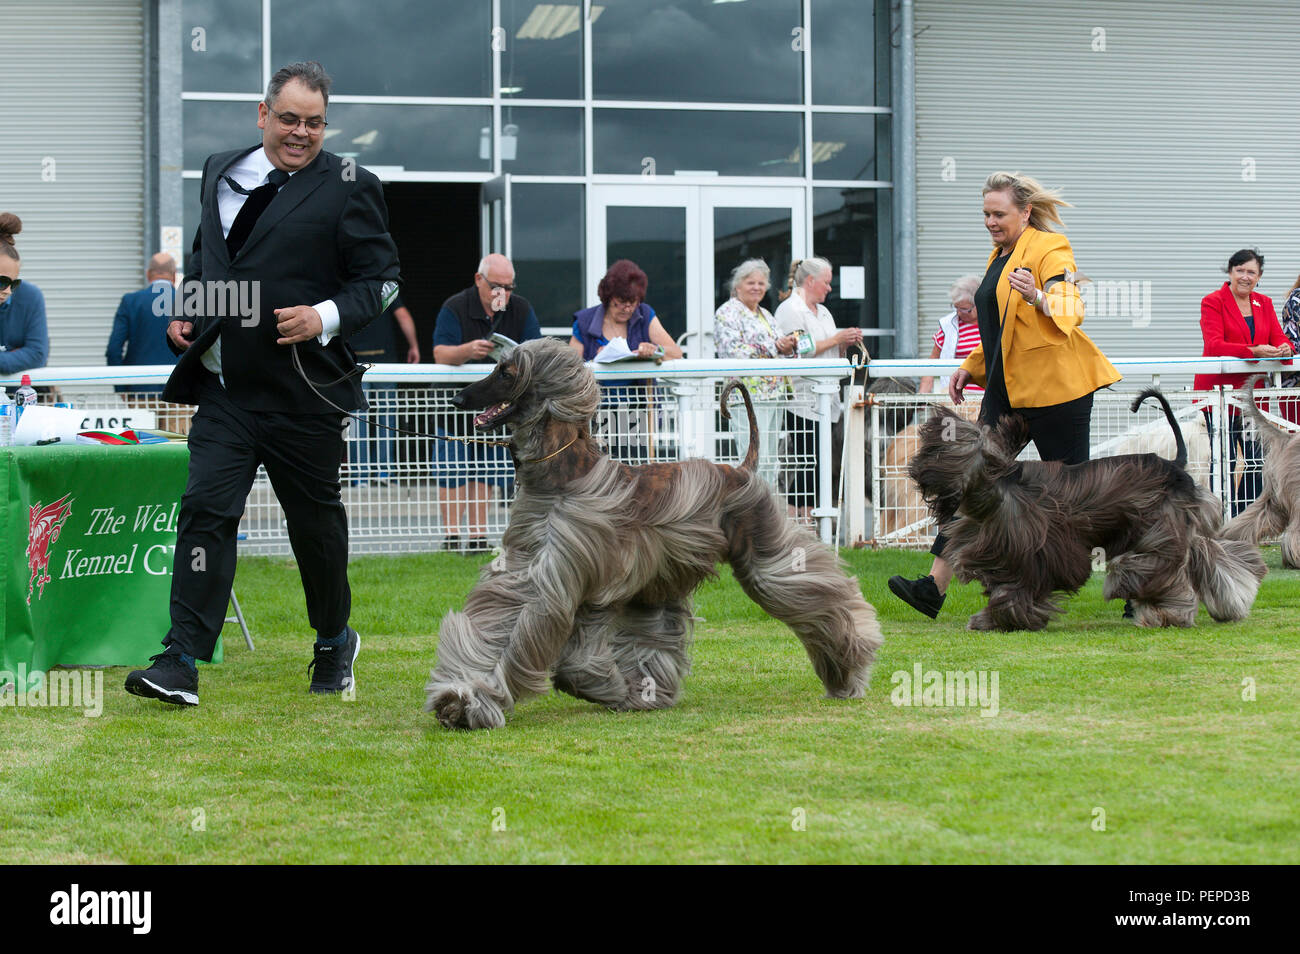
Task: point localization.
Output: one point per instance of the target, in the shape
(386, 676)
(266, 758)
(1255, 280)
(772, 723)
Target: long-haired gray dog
(1028, 530)
(593, 590)
(1278, 508)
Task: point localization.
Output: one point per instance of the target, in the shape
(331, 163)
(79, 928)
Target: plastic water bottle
(25, 396)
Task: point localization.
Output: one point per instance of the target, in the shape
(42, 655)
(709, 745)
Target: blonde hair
(1027, 192)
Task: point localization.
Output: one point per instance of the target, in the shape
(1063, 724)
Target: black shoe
(451, 541)
(168, 679)
(476, 545)
(922, 595)
(333, 665)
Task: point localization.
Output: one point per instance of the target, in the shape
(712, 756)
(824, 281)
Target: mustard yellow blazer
(1046, 361)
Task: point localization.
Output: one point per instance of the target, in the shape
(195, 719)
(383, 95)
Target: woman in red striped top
(959, 331)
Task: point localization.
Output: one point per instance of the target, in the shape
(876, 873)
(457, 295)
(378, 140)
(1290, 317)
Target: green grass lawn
(754, 765)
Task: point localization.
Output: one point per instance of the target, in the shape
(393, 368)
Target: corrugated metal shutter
(72, 160)
(1172, 128)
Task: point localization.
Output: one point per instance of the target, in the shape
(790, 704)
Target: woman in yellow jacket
(1033, 358)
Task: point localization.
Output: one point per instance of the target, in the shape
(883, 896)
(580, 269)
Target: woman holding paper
(622, 313)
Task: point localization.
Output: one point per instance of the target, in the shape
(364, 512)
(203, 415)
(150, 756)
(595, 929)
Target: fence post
(825, 512)
(684, 390)
(852, 476)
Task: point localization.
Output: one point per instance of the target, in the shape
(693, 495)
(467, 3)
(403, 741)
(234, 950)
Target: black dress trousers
(302, 454)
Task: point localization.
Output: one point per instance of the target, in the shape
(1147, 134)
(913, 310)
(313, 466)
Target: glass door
(687, 239)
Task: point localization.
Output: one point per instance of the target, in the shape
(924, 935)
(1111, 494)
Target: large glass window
(843, 39)
(542, 56)
(548, 240)
(844, 146)
(221, 48)
(851, 227)
(698, 51)
(541, 141)
(662, 142)
(390, 47)
(217, 127)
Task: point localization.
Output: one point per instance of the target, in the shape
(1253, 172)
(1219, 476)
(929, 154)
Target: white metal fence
(413, 492)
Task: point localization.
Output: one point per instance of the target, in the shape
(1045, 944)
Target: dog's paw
(981, 621)
(461, 706)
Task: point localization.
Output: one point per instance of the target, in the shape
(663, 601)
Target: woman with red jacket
(1237, 323)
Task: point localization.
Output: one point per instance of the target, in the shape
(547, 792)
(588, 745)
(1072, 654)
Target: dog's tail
(1269, 432)
(1181, 457)
(751, 456)
(1225, 575)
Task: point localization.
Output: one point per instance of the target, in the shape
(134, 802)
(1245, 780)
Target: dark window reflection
(698, 51)
(542, 58)
(413, 137)
(661, 141)
(740, 234)
(221, 46)
(852, 227)
(843, 68)
(217, 127)
(844, 146)
(390, 47)
(189, 218)
(655, 238)
(547, 247)
(547, 141)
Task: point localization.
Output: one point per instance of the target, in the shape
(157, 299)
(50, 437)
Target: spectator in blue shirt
(140, 326)
(466, 322)
(24, 337)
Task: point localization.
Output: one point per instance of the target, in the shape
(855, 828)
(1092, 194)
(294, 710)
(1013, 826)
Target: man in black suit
(294, 255)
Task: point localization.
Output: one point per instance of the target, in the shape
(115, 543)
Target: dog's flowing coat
(1028, 530)
(1278, 508)
(593, 589)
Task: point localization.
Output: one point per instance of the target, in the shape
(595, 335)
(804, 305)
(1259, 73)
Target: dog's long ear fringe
(1012, 432)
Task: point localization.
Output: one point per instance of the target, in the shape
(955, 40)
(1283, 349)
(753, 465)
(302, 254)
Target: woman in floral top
(743, 328)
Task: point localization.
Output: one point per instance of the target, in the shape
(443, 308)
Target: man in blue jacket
(140, 326)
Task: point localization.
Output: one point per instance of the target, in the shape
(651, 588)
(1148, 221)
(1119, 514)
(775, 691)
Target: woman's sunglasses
(7, 282)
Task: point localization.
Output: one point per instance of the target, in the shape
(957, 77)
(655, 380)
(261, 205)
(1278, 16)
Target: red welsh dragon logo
(46, 523)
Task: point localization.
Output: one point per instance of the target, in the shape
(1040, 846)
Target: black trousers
(1059, 432)
(1252, 466)
(302, 454)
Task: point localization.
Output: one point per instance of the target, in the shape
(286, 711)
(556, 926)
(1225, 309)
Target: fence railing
(407, 490)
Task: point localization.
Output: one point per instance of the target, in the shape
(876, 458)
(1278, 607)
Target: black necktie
(252, 208)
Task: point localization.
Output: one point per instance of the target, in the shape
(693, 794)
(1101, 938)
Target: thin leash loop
(297, 365)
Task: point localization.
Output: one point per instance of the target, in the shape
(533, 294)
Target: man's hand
(956, 383)
(478, 348)
(297, 323)
(179, 332)
(413, 355)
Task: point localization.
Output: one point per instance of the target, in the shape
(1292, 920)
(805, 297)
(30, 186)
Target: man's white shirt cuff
(329, 321)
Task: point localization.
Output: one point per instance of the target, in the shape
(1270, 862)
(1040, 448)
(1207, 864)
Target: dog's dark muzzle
(485, 395)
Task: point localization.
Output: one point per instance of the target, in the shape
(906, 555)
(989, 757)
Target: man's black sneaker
(168, 679)
(331, 667)
(921, 595)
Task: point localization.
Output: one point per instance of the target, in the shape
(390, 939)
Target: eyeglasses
(7, 282)
(498, 286)
(289, 121)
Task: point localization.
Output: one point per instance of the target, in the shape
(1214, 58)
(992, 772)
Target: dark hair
(10, 225)
(624, 280)
(311, 74)
(1244, 256)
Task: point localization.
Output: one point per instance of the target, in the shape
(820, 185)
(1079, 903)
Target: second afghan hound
(593, 590)
(1277, 511)
(1029, 530)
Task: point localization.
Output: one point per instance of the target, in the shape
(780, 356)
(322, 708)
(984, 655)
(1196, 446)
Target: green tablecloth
(90, 532)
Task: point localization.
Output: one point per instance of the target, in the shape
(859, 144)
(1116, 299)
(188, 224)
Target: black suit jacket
(324, 236)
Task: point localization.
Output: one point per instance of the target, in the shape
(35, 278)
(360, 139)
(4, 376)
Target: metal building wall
(72, 160)
(1171, 126)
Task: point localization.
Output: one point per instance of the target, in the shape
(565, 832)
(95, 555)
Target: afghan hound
(1278, 508)
(1028, 530)
(592, 592)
